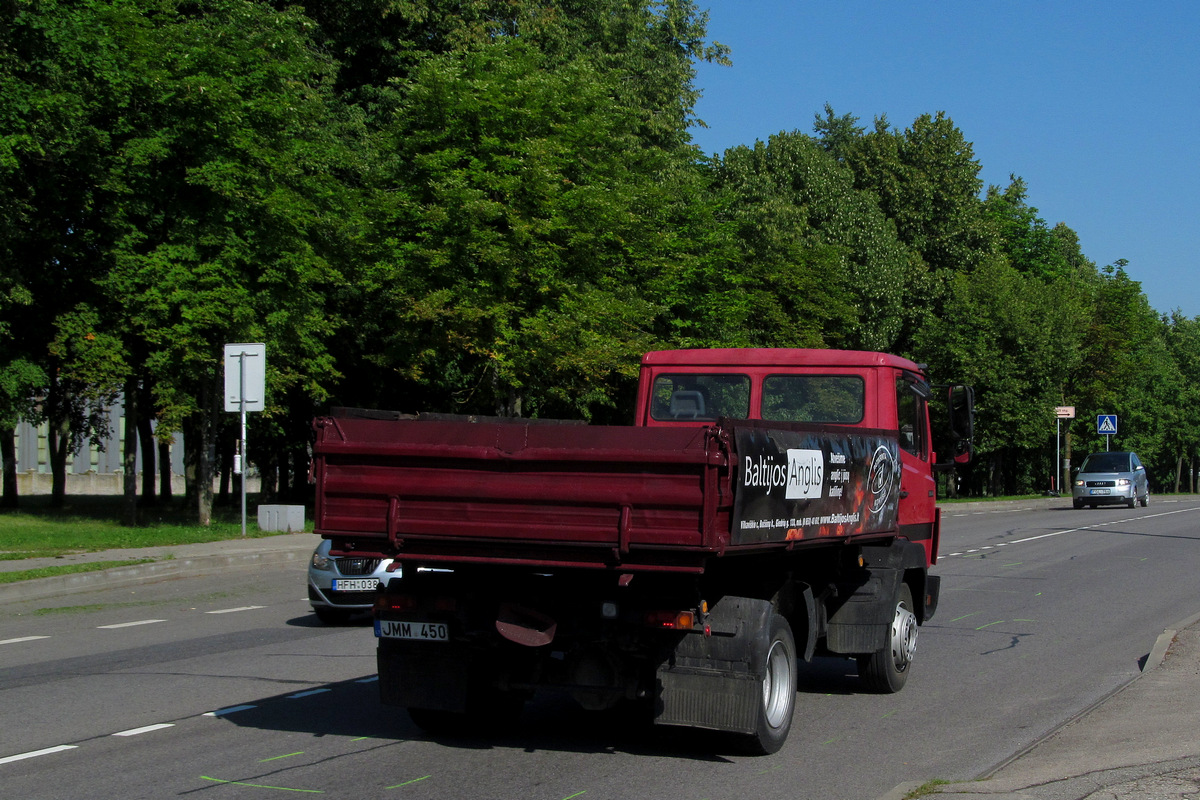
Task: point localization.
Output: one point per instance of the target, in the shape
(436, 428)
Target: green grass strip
(68, 569)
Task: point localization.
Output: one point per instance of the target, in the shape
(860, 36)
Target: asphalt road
(227, 687)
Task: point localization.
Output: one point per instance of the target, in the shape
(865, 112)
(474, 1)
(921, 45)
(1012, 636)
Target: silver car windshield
(1107, 462)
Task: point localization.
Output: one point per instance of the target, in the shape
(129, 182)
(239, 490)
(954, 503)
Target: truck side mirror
(960, 399)
(956, 433)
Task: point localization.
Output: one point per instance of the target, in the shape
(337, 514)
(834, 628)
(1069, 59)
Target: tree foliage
(495, 206)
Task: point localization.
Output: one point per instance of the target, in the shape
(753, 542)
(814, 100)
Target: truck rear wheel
(778, 689)
(886, 670)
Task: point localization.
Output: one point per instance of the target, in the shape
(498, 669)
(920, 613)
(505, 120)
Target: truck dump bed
(621, 497)
(520, 492)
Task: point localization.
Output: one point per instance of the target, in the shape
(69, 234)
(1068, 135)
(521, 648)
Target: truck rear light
(672, 620)
(395, 602)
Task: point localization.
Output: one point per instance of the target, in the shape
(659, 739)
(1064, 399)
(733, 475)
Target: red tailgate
(422, 487)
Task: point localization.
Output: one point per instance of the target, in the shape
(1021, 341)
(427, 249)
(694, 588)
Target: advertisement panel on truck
(795, 485)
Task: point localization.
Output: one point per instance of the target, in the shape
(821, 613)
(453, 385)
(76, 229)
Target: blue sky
(1095, 105)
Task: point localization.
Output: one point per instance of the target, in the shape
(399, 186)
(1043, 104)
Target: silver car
(1110, 478)
(339, 588)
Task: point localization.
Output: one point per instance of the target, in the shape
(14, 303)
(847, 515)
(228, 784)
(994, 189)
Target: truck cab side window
(910, 413)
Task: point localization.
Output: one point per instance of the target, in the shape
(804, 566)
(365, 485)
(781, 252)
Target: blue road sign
(1106, 424)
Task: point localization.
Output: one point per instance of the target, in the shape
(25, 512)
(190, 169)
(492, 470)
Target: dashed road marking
(145, 729)
(36, 753)
(130, 624)
(23, 639)
(233, 610)
(220, 712)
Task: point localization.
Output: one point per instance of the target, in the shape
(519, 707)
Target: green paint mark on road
(262, 786)
(964, 616)
(577, 794)
(276, 758)
(406, 783)
(990, 624)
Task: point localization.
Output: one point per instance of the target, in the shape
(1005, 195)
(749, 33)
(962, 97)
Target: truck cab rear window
(813, 398)
(681, 397)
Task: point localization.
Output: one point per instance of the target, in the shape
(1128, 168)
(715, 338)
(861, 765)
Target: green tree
(531, 178)
(1031, 247)
(1126, 369)
(828, 258)
(1182, 427)
(926, 179)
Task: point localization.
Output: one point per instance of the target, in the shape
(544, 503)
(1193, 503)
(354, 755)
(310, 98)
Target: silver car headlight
(321, 562)
(1123, 481)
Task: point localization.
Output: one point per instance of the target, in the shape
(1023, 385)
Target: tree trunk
(165, 490)
(129, 457)
(207, 448)
(146, 442)
(58, 442)
(226, 450)
(8, 454)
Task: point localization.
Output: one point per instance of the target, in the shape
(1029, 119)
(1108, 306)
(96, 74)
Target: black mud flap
(860, 615)
(423, 675)
(716, 682)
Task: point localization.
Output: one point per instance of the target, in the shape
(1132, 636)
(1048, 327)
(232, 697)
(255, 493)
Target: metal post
(242, 440)
(1057, 462)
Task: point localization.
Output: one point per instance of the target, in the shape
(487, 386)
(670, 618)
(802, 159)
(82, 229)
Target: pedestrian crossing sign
(1106, 424)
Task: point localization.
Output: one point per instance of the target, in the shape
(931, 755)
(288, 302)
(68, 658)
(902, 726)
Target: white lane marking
(220, 712)
(23, 639)
(1077, 530)
(36, 753)
(231, 610)
(130, 624)
(309, 693)
(146, 729)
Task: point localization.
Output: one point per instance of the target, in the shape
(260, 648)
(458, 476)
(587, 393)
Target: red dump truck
(766, 506)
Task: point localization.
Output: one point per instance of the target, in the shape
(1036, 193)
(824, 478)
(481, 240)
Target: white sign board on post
(252, 358)
(245, 390)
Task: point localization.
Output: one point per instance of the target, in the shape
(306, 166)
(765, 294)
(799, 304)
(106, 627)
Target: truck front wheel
(886, 670)
(778, 689)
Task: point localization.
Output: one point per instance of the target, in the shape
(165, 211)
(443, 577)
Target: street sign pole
(1061, 413)
(244, 392)
(242, 438)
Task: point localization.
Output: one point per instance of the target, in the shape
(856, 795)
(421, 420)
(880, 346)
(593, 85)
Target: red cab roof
(775, 356)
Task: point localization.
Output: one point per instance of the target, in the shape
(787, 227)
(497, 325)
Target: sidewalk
(1141, 743)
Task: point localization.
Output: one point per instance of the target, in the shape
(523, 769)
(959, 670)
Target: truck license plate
(1101, 491)
(421, 631)
(355, 584)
